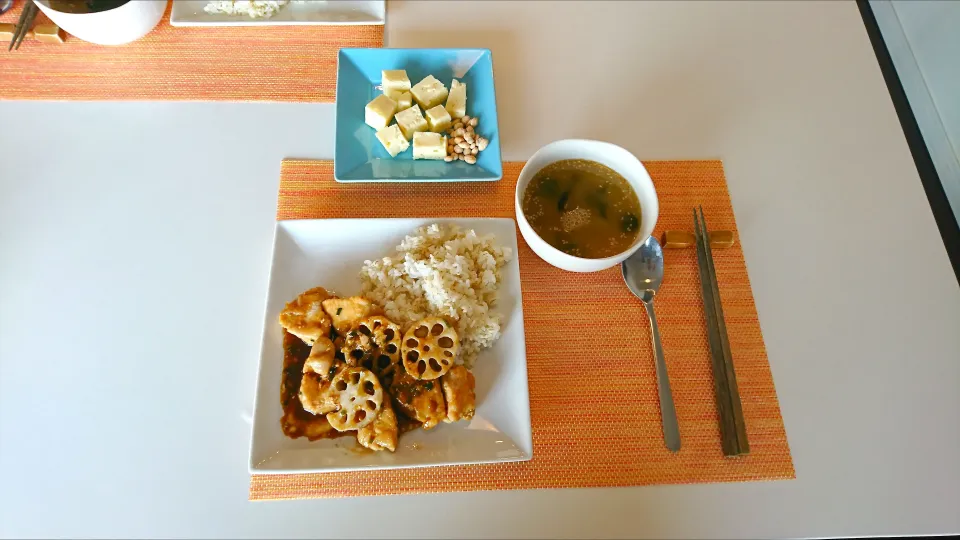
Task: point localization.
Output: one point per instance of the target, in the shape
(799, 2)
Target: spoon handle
(668, 414)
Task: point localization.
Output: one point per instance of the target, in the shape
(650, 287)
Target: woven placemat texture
(593, 393)
(252, 63)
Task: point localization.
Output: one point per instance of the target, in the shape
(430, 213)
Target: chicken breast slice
(305, 318)
(347, 313)
(382, 433)
(458, 391)
(316, 394)
(420, 400)
(322, 358)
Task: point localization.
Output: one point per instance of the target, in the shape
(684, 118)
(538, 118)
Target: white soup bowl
(604, 153)
(116, 26)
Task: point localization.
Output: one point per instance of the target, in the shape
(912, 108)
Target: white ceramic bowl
(116, 26)
(607, 154)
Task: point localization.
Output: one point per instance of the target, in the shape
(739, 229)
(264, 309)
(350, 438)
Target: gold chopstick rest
(7, 30)
(46, 33)
(49, 33)
(684, 239)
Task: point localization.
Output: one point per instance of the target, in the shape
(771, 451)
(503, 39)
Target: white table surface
(135, 240)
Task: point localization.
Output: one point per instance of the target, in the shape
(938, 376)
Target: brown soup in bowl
(582, 208)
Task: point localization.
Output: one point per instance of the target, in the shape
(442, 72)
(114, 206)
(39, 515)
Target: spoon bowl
(643, 272)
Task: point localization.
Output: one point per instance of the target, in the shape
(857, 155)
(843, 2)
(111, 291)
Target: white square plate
(302, 12)
(329, 253)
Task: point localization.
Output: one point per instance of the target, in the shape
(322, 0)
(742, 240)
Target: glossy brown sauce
(297, 422)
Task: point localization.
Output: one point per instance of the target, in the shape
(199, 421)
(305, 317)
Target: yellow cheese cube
(379, 112)
(429, 92)
(404, 99)
(395, 79)
(438, 119)
(392, 140)
(411, 121)
(457, 101)
(429, 146)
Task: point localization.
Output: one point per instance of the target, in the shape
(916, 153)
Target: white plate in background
(297, 12)
(329, 253)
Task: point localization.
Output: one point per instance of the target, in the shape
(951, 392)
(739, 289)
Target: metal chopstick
(732, 426)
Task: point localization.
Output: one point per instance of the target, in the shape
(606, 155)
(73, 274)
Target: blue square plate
(359, 156)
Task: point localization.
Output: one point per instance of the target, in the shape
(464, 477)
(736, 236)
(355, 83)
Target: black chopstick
(27, 16)
(732, 426)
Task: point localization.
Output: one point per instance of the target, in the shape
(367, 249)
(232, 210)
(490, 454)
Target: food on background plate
(255, 9)
(420, 108)
(582, 208)
(374, 375)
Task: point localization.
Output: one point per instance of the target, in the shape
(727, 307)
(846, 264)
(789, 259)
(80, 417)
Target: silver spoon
(643, 272)
(5, 6)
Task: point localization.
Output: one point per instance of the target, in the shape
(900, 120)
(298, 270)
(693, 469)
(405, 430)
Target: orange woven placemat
(253, 63)
(593, 395)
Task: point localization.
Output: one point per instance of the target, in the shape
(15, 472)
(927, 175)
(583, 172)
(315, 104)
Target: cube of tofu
(411, 121)
(429, 92)
(457, 101)
(392, 140)
(404, 99)
(458, 391)
(395, 79)
(429, 146)
(379, 112)
(438, 119)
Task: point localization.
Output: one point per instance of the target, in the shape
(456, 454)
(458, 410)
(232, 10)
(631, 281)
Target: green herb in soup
(582, 208)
